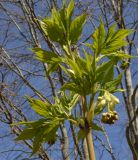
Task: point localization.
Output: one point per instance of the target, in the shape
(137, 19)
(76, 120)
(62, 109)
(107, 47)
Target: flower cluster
(109, 100)
(110, 117)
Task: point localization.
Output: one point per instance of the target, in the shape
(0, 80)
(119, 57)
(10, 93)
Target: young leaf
(54, 31)
(37, 142)
(32, 124)
(70, 9)
(27, 133)
(52, 67)
(110, 42)
(115, 40)
(105, 72)
(46, 56)
(73, 101)
(75, 68)
(81, 134)
(76, 28)
(112, 86)
(98, 37)
(120, 55)
(99, 110)
(71, 87)
(40, 107)
(110, 33)
(96, 127)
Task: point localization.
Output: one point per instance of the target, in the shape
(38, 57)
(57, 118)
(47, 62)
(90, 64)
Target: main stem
(90, 145)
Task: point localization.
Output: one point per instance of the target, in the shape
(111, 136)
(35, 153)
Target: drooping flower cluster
(110, 100)
(110, 117)
(107, 99)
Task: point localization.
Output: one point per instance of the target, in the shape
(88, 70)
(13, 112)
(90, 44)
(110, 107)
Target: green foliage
(96, 127)
(70, 10)
(48, 57)
(39, 131)
(44, 130)
(104, 70)
(82, 73)
(61, 109)
(61, 28)
(112, 86)
(106, 43)
(81, 134)
(76, 28)
(90, 76)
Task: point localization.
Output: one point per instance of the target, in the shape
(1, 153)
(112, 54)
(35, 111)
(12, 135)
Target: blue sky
(116, 132)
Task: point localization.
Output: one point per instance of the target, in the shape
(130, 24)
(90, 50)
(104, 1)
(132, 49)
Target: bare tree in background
(21, 74)
(124, 13)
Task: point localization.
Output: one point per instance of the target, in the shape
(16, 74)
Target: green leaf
(99, 110)
(59, 17)
(32, 124)
(46, 56)
(64, 21)
(110, 33)
(50, 133)
(27, 133)
(52, 67)
(120, 90)
(120, 55)
(55, 31)
(110, 42)
(45, 134)
(71, 87)
(115, 40)
(37, 142)
(75, 68)
(40, 107)
(96, 127)
(112, 86)
(40, 131)
(76, 28)
(98, 38)
(81, 134)
(89, 61)
(73, 101)
(70, 9)
(105, 72)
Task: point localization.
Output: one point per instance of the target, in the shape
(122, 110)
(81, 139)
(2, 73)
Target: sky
(116, 132)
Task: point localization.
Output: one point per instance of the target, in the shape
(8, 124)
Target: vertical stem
(64, 146)
(90, 145)
(89, 139)
(85, 149)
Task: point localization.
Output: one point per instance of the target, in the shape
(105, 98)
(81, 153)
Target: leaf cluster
(91, 78)
(61, 28)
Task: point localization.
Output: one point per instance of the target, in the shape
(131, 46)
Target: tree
(61, 67)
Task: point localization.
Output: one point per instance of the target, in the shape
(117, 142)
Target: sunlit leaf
(76, 28)
(40, 107)
(46, 56)
(112, 86)
(70, 9)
